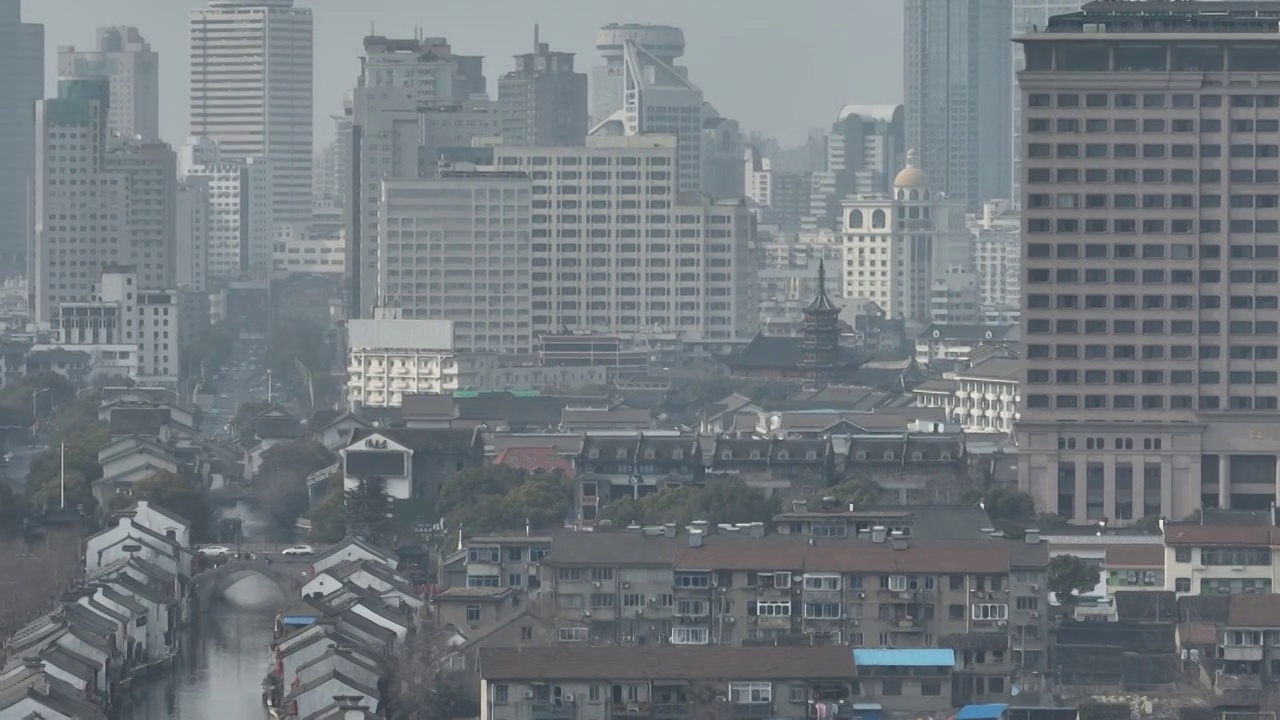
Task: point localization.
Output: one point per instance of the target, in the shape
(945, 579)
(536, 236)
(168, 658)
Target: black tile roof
(144, 421)
(431, 440)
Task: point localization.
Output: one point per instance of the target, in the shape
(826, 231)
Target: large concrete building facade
(21, 85)
(251, 91)
(1028, 16)
(1152, 232)
(958, 94)
(126, 59)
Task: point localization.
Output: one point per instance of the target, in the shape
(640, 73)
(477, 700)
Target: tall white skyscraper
(240, 225)
(251, 91)
(133, 70)
(21, 85)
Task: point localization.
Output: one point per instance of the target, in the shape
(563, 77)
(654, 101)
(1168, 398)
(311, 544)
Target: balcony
(752, 711)
(1247, 653)
(551, 711)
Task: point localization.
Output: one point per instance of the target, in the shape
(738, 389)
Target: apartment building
(400, 104)
(191, 244)
(1220, 559)
(22, 85)
(389, 358)
(667, 683)
(241, 220)
(897, 245)
(458, 248)
(1150, 213)
(617, 249)
(614, 464)
(739, 586)
(499, 561)
(996, 242)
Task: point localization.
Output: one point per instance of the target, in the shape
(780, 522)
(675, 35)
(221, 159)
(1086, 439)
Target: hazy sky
(779, 67)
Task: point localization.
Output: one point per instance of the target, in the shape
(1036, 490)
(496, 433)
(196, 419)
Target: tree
(368, 508)
(179, 495)
(470, 485)
(46, 469)
(859, 492)
(79, 493)
(295, 342)
(722, 500)
(212, 349)
(1003, 504)
(329, 516)
(281, 483)
(13, 510)
(1069, 575)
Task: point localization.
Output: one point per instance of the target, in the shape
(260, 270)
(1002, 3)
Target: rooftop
(675, 664)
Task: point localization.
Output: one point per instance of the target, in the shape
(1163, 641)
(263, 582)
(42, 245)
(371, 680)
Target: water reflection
(221, 663)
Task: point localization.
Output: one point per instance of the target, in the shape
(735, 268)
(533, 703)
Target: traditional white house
(161, 520)
(129, 540)
(388, 584)
(128, 460)
(348, 550)
(379, 613)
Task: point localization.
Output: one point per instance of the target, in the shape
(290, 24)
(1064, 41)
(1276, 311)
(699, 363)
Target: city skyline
(828, 41)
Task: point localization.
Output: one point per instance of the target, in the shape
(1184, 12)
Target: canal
(221, 662)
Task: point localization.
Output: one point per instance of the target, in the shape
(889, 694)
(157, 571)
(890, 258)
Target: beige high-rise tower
(1151, 260)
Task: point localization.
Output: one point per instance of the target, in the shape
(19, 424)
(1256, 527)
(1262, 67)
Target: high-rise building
(458, 248)
(652, 94)
(126, 59)
(21, 85)
(543, 101)
(1029, 16)
(897, 245)
(644, 262)
(662, 42)
(251, 91)
(241, 226)
(864, 150)
(1150, 307)
(996, 237)
(412, 98)
(192, 242)
(723, 175)
(151, 173)
(958, 93)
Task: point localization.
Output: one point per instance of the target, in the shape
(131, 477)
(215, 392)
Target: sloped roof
(431, 440)
(1260, 610)
(665, 662)
(334, 675)
(145, 421)
(965, 333)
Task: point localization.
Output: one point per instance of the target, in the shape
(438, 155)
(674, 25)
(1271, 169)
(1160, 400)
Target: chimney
(899, 541)
(799, 505)
(878, 534)
(702, 525)
(1032, 537)
(669, 530)
(852, 507)
(695, 539)
(757, 530)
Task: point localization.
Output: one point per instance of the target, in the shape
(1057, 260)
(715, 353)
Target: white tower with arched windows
(895, 245)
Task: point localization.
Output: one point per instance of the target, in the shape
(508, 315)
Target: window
(693, 581)
(689, 636)
(771, 609)
(743, 693)
(930, 689)
(822, 582)
(573, 634)
(601, 573)
(691, 607)
(1028, 603)
(569, 574)
(499, 693)
(473, 613)
(822, 611)
(632, 600)
(484, 555)
(890, 687)
(990, 611)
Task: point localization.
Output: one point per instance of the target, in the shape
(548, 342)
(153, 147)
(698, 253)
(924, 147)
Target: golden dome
(911, 176)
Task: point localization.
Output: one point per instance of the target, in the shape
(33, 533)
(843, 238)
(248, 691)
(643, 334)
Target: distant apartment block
(21, 85)
(126, 59)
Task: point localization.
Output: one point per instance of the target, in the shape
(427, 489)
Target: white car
(298, 550)
(215, 551)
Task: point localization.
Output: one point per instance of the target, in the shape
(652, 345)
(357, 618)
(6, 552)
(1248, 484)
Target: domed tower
(911, 183)
(821, 330)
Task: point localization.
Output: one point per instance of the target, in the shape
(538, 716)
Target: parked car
(298, 550)
(215, 551)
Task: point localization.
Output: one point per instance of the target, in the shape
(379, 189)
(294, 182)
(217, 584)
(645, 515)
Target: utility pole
(268, 385)
(62, 474)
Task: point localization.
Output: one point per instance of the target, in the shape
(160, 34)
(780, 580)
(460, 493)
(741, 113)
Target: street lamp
(35, 412)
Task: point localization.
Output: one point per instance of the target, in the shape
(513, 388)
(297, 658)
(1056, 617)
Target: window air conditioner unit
(568, 697)
(528, 694)
(595, 585)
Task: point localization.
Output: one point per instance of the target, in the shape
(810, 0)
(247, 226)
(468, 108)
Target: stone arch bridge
(288, 574)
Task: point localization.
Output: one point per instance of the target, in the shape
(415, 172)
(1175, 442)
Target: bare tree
(33, 572)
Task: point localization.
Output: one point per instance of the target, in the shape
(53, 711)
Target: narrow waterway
(223, 656)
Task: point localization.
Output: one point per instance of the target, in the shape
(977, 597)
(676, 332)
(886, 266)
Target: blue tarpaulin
(297, 620)
(981, 712)
(913, 657)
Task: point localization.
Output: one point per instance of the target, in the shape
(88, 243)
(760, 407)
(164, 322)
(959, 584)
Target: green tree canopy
(369, 509)
(178, 494)
(212, 348)
(281, 482)
(470, 485)
(329, 516)
(1069, 575)
(1003, 504)
(859, 492)
(48, 495)
(722, 500)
